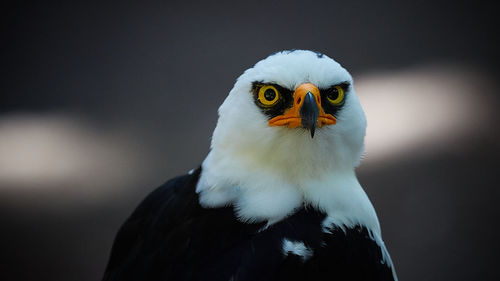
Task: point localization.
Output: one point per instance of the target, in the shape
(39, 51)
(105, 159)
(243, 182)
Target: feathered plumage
(276, 198)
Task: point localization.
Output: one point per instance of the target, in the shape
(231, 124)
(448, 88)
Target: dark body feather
(171, 237)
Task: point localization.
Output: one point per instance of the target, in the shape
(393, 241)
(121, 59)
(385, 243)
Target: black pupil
(270, 94)
(334, 94)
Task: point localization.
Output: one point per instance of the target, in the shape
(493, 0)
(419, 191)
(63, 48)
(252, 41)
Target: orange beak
(306, 111)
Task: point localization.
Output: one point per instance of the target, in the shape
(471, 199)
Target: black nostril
(298, 101)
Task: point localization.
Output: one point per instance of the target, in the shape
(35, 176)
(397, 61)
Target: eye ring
(336, 95)
(268, 95)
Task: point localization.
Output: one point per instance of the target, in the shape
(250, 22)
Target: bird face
(294, 113)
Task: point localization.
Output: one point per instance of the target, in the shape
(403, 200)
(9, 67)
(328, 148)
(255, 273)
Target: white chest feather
(263, 191)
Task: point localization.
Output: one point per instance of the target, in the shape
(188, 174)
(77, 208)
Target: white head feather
(267, 172)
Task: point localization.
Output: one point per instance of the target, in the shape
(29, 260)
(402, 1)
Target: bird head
(293, 107)
(292, 118)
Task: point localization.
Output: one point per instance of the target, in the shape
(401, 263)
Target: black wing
(171, 237)
(142, 238)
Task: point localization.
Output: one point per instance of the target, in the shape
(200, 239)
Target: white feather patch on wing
(297, 248)
(386, 258)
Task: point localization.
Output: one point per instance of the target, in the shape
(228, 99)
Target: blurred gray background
(100, 103)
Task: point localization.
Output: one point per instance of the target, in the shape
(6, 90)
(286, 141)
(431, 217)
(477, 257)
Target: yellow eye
(335, 95)
(268, 95)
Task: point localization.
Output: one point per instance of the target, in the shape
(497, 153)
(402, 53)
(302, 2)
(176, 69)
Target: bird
(276, 198)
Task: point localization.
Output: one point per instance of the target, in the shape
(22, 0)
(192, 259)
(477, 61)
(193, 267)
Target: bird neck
(269, 185)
